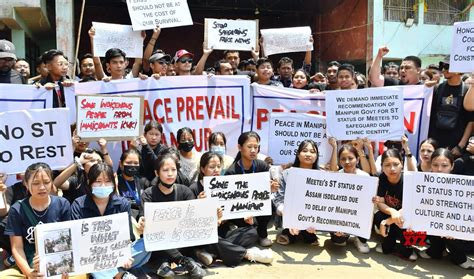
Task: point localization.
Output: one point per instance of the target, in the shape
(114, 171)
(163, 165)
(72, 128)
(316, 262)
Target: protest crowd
(153, 171)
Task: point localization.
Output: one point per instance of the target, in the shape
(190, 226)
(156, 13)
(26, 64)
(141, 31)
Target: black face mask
(168, 186)
(130, 170)
(186, 146)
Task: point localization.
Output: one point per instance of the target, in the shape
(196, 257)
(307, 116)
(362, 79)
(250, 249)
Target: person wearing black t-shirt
(389, 201)
(166, 190)
(247, 162)
(150, 147)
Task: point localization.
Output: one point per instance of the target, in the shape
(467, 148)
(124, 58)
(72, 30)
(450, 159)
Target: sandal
(282, 239)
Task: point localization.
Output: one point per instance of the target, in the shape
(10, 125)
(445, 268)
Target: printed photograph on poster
(57, 264)
(57, 241)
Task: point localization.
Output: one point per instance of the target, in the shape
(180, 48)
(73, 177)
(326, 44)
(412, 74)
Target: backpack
(447, 115)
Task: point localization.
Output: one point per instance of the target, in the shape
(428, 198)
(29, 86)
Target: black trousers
(389, 243)
(457, 248)
(304, 235)
(232, 248)
(5, 239)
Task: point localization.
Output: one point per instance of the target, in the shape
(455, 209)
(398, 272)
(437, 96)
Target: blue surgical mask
(218, 149)
(102, 192)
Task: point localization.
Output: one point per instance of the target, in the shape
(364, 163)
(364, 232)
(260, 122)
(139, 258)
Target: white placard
(375, 113)
(288, 130)
(462, 49)
(2, 200)
(284, 40)
(328, 201)
(240, 195)
(32, 136)
(113, 117)
(439, 204)
(231, 34)
(83, 246)
(108, 35)
(170, 225)
(20, 96)
(147, 14)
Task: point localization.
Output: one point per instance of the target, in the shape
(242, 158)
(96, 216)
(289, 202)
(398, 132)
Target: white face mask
(102, 192)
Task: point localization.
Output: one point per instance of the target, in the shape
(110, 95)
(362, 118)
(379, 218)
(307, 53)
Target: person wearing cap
(7, 62)
(435, 71)
(159, 62)
(58, 66)
(449, 124)
(183, 62)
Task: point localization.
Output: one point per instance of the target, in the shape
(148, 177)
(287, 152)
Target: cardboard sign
(109, 36)
(288, 130)
(32, 136)
(228, 34)
(439, 204)
(284, 40)
(179, 224)
(328, 201)
(462, 49)
(240, 195)
(147, 14)
(375, 113)
(111, 117)
(83, 246)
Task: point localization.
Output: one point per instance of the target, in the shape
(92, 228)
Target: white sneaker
(424, 255)
(265, 256)
(468, 264)
(379, 248)
(265, 242)
(204, 257)
(413, 256)
(362, 247)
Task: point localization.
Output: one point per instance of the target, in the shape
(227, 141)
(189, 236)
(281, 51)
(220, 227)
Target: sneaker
(424, 255)
(413, 256)
(128, 275)
(379, 249)
(265, 242)
(468, 264)
(204, 257)
(362, 247)
(255, 254)
(194, 270)
(165, 271)
(342, 244)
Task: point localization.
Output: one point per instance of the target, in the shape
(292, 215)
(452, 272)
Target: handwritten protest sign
(231, 34)
(240, 195)
(32, 136)
(83, 246)
(288, 130)
(111, 117)
(109, 35)
(147, 14)
(284, 40)
(462, 49)
(179, 224)
(373, 113)
(329, 201)
(439, 204)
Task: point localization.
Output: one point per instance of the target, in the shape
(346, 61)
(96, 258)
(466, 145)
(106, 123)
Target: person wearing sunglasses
(159, 62)
(183, 62)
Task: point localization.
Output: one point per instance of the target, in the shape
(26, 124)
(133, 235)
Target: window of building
(444, 12)
(400, 10)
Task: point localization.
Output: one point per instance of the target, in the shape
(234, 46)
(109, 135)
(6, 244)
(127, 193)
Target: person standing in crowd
(233, 57)
(449, 121)
(265, 73)
(442, 161)
(167, 190)
(390, 70)
(24, 215)
(389, 202)
(223, 68)
(427, 147)
(300, 80)
(435, 72)
(57, 78)
(218, 144)
(246, 162)
(331, 75)
(23, 67)
(465, 164)
(41, 70)
(183, 62)
(234, 244)
(101, 200)
(150, 144)
(86, 64)
(188, 156)
(159, 63)
(307, 157)
(7, 61)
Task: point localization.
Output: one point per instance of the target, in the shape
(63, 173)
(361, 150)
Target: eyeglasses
(184, 60)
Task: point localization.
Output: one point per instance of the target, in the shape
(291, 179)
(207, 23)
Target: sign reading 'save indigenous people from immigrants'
(375, 113)
(32, 136)
(240, 195)
(439, 204)
(231, 34)
(170, 225)
(288, 130)
(108, 35)
(112, 117)
(285, 40)
(328, 201)
(83, 246)
(462, 49)
(25, 97)
(147, 14)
